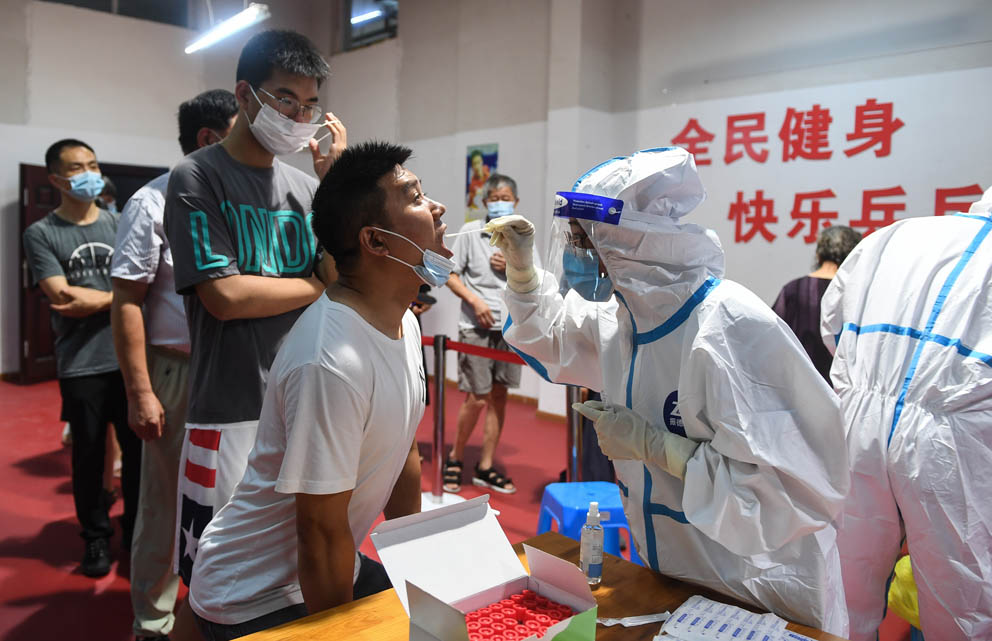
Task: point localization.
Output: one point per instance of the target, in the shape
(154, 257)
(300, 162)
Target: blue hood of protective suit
(655, 261)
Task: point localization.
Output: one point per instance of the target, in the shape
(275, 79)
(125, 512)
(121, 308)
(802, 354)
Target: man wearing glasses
(238, 221)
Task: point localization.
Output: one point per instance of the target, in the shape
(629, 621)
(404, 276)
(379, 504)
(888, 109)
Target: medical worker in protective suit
(728, 445)
(910, 317)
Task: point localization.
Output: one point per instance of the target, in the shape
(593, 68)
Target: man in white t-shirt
(335, 444)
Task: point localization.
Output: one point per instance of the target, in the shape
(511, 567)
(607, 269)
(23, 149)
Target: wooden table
(626, 590)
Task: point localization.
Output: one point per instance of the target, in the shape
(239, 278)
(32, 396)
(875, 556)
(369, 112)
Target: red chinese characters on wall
(756, 214)
(695, 139)
(812, 214)
(870, 204)
(806, 210)
(804, 134)
(874, 123)
(744, 131)
(943, 204)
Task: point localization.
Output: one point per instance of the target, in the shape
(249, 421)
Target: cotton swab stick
(488, 228)
(462, 233)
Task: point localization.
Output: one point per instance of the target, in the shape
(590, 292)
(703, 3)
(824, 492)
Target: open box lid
(451, 552)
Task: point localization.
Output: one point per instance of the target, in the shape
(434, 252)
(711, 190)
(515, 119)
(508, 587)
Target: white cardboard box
(456, 559)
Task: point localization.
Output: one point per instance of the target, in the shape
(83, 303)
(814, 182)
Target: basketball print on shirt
(88, 259)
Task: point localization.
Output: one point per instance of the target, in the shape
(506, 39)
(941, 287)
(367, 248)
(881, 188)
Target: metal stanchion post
(440, 349)
(573, 468)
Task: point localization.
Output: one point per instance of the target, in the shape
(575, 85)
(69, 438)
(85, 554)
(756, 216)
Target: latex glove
(626, 435)
(514, 235)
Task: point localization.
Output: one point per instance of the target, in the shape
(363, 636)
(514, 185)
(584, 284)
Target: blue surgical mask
(436, 268)
(581, 273)
(86, 186)
(499, 208)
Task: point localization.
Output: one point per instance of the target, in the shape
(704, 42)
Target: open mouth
(447, 253)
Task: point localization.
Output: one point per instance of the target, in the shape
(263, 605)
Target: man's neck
(381, 304)
(243, 147)
(78, 212)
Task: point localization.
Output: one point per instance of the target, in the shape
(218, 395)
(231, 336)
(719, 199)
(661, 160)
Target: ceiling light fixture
(365, 17)
(252, 15)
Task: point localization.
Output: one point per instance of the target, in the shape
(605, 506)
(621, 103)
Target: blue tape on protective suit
(600, 209)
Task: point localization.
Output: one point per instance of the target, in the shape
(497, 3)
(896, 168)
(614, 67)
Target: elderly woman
(799, 301)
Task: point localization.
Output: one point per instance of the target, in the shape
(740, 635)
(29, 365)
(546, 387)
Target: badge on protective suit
(600, 209)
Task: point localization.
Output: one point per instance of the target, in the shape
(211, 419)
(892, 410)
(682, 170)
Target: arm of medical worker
(774, 467)
(624, 434)
(325, 550)
(405, 497)
(562, 338)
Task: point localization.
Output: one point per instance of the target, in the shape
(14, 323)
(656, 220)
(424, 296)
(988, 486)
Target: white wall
(103, 82)
(364, 91)
(939, 146)
(689, 51)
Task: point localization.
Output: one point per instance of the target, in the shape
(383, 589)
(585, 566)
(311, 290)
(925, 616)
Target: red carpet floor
(42, 594)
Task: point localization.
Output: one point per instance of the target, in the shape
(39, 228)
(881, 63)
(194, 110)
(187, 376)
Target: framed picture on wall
(480, 163)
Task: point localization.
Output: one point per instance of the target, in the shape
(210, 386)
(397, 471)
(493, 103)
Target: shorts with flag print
(211, 466)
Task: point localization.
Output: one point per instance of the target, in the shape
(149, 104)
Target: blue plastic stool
(568, 503)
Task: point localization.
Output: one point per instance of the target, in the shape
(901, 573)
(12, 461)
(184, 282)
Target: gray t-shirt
(472, 254)
(81, 253)
(224, 218)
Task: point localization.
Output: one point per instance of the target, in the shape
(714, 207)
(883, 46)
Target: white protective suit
(910, 315)
(687, 350)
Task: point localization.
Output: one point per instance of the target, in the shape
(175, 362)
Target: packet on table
(701, 619)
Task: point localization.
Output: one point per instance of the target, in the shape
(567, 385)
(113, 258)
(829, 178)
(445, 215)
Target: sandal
(494, 480)
(453, 476)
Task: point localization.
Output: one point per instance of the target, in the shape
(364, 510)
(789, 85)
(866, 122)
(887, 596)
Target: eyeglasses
(576, 237)
(291, 107)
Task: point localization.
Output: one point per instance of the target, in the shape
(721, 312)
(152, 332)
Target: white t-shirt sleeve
(138, 247)
(325, 421)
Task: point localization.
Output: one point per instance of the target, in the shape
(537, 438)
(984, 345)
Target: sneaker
(96, 560)
(66, 435)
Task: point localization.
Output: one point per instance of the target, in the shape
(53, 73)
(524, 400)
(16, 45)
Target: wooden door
(37, 344)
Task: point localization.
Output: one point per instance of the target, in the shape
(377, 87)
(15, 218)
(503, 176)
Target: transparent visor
(573, 260)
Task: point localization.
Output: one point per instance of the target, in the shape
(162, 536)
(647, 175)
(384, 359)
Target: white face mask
(279, 134)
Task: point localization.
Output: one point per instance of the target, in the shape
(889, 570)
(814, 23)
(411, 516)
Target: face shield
(648, 189)
(572, 257)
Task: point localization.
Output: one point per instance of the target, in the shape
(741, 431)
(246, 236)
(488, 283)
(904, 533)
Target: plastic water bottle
(591, 546)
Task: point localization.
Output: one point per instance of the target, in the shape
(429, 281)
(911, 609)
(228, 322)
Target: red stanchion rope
(475, 350)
